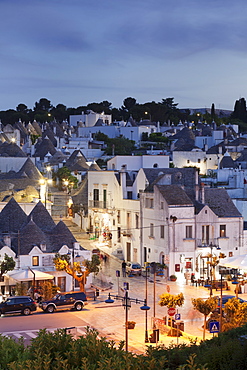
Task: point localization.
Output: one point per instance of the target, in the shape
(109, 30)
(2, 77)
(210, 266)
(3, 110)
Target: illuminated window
(222, 231)
(35, 261)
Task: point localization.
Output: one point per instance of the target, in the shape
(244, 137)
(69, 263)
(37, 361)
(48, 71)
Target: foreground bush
(53, 351)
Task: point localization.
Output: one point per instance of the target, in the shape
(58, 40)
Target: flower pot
(131, 325)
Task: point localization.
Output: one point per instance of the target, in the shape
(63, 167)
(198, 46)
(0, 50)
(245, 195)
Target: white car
(133, 268)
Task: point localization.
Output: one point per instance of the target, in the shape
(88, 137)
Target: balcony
(127, 233)
(99, 204)
(209, 243)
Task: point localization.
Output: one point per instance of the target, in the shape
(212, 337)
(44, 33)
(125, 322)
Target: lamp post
(44, 187)
(210, 285)
(127, 304)
(72, 264)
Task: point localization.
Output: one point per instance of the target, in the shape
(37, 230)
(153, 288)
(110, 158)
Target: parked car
(22, 304)
(133, 268)
(73, 300)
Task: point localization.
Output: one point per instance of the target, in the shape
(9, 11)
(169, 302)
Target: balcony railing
(99, 204)
(207, 243)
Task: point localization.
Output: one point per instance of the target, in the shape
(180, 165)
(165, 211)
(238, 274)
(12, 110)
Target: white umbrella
(237, 262)
(29, 275)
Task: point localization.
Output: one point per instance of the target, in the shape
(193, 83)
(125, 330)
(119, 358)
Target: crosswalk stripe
(33, 333)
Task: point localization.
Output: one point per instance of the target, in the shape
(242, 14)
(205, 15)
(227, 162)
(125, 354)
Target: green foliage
(63, 174)
(21, 288)
(7, 264)
(79, 270)
(171, 300)
(52, 351)
(58, 350)
(205, 306)
(235, 314)
(118, 146)
(48, 290)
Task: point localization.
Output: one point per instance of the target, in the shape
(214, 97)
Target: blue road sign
(177, 316)
(214, 326)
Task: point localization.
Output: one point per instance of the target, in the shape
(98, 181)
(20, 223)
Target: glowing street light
(127, 304)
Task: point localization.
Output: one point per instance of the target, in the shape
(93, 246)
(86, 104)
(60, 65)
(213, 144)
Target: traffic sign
(177, 316)
(214, 326)
(171, 311)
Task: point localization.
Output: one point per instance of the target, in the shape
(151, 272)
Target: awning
(237, 262)
(28, 275)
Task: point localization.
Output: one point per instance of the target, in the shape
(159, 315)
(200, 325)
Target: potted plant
(131, 324)
(173, 277)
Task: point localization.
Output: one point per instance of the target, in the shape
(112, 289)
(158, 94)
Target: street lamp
(210, 284)
(44, 183)
(73, 260)
(127, 304)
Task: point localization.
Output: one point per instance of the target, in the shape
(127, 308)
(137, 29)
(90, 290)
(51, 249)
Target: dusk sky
(76, 52)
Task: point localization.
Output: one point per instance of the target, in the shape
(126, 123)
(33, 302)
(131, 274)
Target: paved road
(109, 319)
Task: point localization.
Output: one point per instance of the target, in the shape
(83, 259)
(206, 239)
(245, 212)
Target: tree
(212, 111)
(63, 174)
(8, 264)
(240, 110)
(128, 103)
(205, 306)
(171, 300)
(43, 105)
(235, 314)
(78, 270)
(21, 108)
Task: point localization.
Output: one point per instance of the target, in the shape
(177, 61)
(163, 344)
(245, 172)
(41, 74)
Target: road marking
(27, 334)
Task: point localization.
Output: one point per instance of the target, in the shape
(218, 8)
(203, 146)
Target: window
(104, 198)
(137, 221)
(222, 231)
(119, 234)
(188, 232)
(129, 194)
(128, 220)
(198, 160)
(161, 205)
(162, 231)
(188, 161)
(96, 197)
(149, 203)
(35, 261)
(151, 230)
(205, 234)
(118, 217)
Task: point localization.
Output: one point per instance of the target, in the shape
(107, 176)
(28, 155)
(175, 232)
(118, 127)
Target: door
(61, 282)
(128, 250)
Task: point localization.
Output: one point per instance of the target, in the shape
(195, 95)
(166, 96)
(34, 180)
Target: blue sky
(76, 52)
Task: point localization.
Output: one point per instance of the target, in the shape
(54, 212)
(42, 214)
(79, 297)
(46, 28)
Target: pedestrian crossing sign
(214, 326)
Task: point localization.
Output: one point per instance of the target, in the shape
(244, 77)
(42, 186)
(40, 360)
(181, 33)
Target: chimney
(202, 193)
(196, 185)
(123, 181)
(7, 241)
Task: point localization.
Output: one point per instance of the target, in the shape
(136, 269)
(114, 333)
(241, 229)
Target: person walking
(124, 264)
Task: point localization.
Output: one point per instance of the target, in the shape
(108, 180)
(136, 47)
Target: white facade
(129, 132)
(89, 119)
(196, 158)
(39, 260)
(134, 163)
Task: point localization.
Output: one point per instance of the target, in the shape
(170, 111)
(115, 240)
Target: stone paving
(109, 319)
